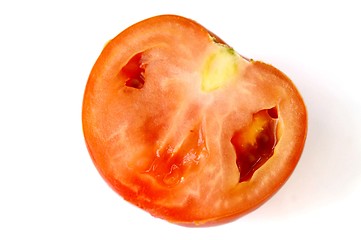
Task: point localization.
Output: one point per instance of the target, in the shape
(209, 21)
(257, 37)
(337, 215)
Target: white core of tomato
(220, 68)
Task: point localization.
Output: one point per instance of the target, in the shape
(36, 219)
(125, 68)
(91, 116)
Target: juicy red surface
(171, 162)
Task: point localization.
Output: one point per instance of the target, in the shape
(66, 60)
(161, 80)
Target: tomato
(182, 126)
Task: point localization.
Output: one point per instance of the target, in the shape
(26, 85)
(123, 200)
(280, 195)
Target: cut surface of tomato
(182, 126)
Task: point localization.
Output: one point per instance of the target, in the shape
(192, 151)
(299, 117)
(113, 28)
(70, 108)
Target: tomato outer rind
(108, 106)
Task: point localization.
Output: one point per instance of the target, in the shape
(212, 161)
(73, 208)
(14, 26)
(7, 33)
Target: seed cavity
(134, 72)
(137, 83)
(255, 144)
(273, 113)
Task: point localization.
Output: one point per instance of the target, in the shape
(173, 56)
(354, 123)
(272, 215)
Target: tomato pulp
(181, 125)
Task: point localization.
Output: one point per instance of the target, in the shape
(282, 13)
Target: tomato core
(255, 144)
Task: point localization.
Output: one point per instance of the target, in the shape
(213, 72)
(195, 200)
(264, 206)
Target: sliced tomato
(182, 126)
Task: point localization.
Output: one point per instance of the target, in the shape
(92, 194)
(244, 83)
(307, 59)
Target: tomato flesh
(170, 164)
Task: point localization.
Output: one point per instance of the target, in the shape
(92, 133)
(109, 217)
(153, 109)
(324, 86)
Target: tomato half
(182, 126)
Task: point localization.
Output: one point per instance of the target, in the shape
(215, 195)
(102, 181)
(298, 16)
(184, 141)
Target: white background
(49, 188)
